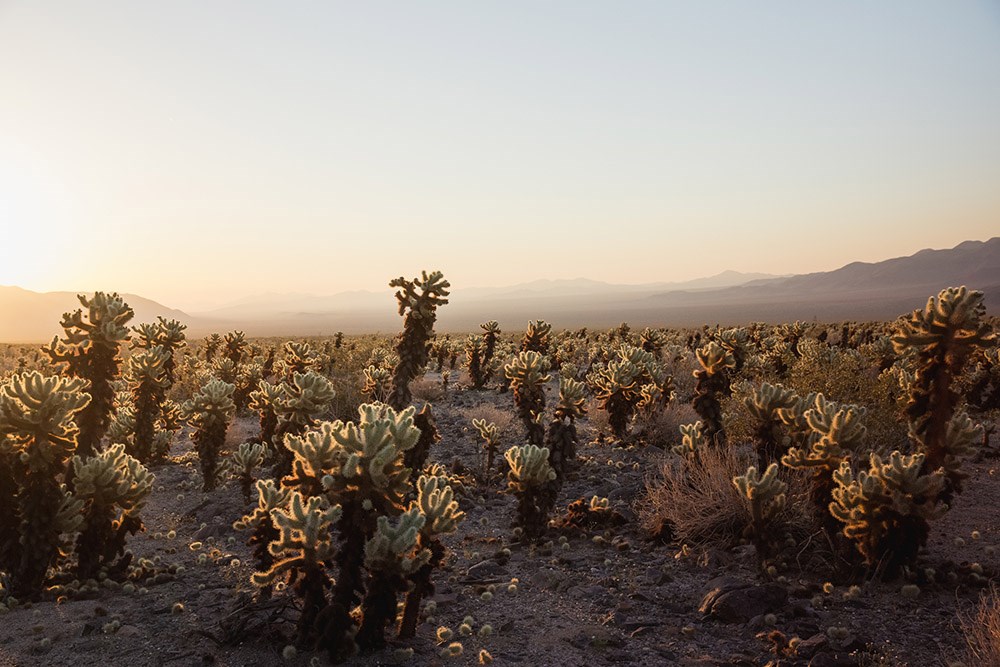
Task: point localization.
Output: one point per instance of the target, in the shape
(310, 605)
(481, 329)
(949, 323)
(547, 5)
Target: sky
(199, 152)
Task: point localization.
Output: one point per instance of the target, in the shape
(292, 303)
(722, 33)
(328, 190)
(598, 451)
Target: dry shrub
(701, 505)
(597, 419)
(697, 501)
(982, 630)
(662, 428)
(427, 389)
(507, 429)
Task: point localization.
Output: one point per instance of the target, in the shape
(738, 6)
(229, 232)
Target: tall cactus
(418, 303)
(713, 384)
(536, 338)
(37, 420)
(301, 550)
(147, 377)
(529, 479)
(114, 487)
(764, 405)
(527, 375)
(941, 337)
(886, 508)
(166, 334)
(209, 413)
(89, 350)
(436, 502)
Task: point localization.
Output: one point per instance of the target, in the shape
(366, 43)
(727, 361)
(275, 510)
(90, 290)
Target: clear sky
(196, 152)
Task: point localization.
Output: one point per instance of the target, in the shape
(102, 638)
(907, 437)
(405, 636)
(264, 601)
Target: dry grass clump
(697, 502)
(662, 428)
(504, 419)
(427, 389)
(982, 630)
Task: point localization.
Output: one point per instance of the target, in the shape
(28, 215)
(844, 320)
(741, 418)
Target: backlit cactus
(436, 502)
(247, 458)
(37, 421)
(491, 335)
(377, 384)
(764, 405)
(147, 378)
(619, 385)
(488, 432)
(113, 487)
(209, 413)
(166, 334)
(838, 431)
(264, 401)
(561, 436)
(886, 508)
(270, 496)
(298, 358)
(301, 551)
(765, 494)
(89, 350)
(392, 556)
(713, 384)
(299, 406)
(941, 337)
(475, 361)
(693, 441)
(527, 373)
(418, 302)
(536, 338)
(529, 479)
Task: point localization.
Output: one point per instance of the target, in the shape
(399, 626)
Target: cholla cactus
(536, 338)
(436, 502)
(652, 340)
(838, 432)
(764, 405)
(527, 375)
(301, 551)
(474, 361)
(940, 339)
(209, 413)
(212, 345)
(561, 437)
(886, 508)
(264, 402)
(236, 346)
(488, 432)
(491, 334)
(147, 377)
(89, 350)
(36, 421)
(165, 334)
(765, 494)
(391, 557)
(378, 384)
(418, 301)
(243, 462)
(300, 405)
(369, 479)
(270, 497)
(113, 487)
(713, 383)
(619, 385)
(693, 441)
(299, 358)
(529, 478)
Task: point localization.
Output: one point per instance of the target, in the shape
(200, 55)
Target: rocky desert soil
(594, 595)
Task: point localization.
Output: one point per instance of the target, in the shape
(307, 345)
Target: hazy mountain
(857, 291)
(31, 317)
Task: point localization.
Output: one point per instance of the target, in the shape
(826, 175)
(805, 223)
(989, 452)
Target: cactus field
(796, 494)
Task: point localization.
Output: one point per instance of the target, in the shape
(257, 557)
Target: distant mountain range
(858, 291)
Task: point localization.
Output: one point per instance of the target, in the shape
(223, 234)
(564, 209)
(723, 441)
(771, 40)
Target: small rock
(738, 605)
